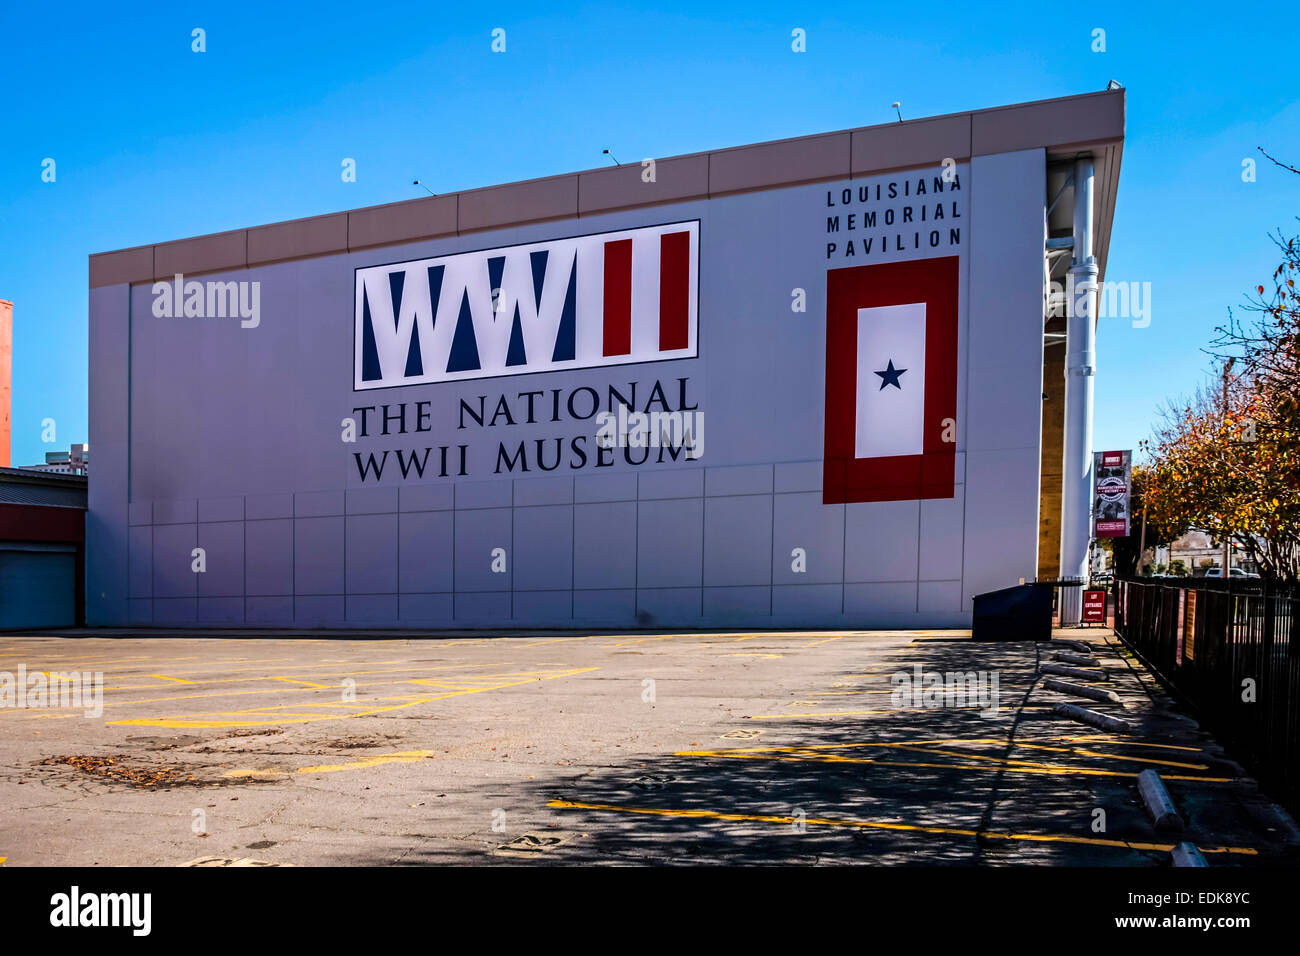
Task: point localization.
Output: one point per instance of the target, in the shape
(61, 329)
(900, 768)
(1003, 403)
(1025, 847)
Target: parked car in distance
(1232, 573)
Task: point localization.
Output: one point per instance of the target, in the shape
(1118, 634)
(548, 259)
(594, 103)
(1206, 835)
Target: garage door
(37, 587)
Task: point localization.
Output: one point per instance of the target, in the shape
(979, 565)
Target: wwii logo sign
(609, 299)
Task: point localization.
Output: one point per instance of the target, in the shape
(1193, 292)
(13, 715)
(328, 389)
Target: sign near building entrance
(1094, 606)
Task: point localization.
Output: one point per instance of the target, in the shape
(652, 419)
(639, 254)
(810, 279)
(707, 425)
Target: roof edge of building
(35, 476)
(1086, 121)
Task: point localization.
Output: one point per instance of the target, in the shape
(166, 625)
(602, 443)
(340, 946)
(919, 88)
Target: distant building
(74, 461)
(1197, 550)
(42, 549)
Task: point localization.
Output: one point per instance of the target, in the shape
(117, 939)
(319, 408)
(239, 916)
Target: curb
(1158, 802)
(1093, 693)
(1073, 645)
(1060, 670)
(1069, 658)
(1100, 721)
(1186, 854)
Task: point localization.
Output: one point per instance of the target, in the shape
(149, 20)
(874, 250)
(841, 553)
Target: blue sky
(155, 142)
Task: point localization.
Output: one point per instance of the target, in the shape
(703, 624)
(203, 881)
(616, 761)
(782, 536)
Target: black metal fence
(1231, 650)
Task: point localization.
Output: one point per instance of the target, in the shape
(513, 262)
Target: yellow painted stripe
(1098, 753)
(253, 774)
(918, 710)
(919, 746)
(82, 662)
(401, 756)
(1030, 769)
(1112, 739)
(274, 716)
(178, 680)
(904, 827)
(1109, 740)
(274, 690)
(640, 640)
(317, 669)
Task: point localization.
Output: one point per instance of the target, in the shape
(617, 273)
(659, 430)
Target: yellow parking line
(274, 690)
(1111, 739)
(102, 660)
(253, 774)
(905, 827)
(347, 667)
(404, 756)
(273, 716)
(178, 680)
(639, 640)
(918, 746)
(222, 665)
(1097, 753)
(797, 755)
(401, 756)
(826, 640)
(901, 710)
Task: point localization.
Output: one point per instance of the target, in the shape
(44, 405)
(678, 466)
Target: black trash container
(1020, 613)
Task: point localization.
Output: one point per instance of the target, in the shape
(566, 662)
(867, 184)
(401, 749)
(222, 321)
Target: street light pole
(1227, 539)
(1142, 538)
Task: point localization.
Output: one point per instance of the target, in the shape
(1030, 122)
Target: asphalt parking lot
(739, 748)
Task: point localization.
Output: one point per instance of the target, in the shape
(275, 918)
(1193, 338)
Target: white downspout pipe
(1080, 366)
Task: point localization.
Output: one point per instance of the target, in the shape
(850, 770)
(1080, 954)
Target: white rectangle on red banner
(891, 381)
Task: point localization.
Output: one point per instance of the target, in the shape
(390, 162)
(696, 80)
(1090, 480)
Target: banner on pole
(1111, 472)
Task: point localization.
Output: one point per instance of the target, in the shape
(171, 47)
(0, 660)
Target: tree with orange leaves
(1228, 461)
